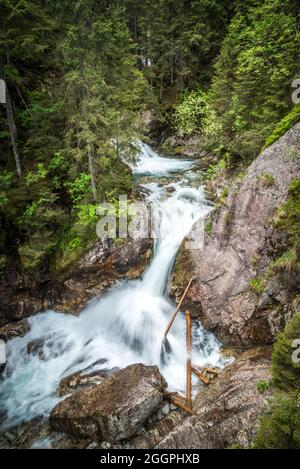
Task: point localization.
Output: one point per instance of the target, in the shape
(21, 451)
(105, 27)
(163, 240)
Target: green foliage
(252, 83)
(77, 238)
(267, 180)
(38, 175)
(284, 125)
(287, 219)
(215, 170)
(80, 187)
(6, 179)
(208, 227)
(177, 41)
(280, 427)
(190, 112)
(285, 371)
(71, 72)
(258, 284)
(5, 184)
(79, 73)
(263, 386)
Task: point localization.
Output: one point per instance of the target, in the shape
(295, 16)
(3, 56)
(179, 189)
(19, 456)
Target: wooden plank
(188, 360)
(212, 371)
(178, 308)
(181, 403)
(200, 375)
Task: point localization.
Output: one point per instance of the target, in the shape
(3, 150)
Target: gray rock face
(240, 247)
(227, 411)
(113, 410)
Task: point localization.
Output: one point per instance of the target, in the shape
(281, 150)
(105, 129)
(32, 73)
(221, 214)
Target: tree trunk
(13, 132)
(92, 173)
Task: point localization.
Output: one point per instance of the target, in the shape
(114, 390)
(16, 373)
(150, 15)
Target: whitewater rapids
(125, 326)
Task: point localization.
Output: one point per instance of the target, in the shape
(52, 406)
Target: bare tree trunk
(13, 132)
(92, 173)
(161, 85)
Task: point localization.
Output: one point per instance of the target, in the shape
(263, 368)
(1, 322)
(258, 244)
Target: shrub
(190, 113)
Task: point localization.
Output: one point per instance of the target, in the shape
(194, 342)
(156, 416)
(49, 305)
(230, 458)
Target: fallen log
(180, 402)
(188, 360)
(178, 308)
(200, 375)
(212, 371)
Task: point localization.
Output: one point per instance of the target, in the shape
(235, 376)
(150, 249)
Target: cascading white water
(125, 326)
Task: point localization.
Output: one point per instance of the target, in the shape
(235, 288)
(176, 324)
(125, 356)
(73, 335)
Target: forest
(80, 76)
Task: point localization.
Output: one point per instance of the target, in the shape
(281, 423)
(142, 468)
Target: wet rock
(240, 247)
(77, 381)
(113, 410)
(99, 269)
(35, 347)
(14, 329)
(21, 293)
(24, 294)
(38, 435)
(226, 412)
(81, 380)
(152, 433)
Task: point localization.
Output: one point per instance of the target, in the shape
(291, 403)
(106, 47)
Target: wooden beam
(178, 308)
(212, 371)
(180, 402)
(200, 375)
(188, 360)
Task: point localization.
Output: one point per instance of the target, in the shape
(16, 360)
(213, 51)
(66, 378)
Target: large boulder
(241, 245)
(101, 267)
(227, 412)
(23, 294)
(14, 329)
(113, 410)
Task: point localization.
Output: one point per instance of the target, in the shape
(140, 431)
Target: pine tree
(258, 61)
(280, 428)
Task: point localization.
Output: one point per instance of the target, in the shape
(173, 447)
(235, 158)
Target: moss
(263, 386)
(227, 223)
(267, 180)
(284, 125)
(119, 241)
(208, 227)
(287, 219)
(255, 261)
(179, 150)
(224, 193)
(258, 284)
(285, 263)
(70, 252)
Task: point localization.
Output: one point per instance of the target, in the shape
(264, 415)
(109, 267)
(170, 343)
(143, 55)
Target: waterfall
(126, 325)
